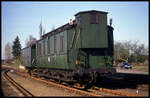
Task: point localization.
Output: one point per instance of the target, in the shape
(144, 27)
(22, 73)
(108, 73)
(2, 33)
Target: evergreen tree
(16, 48)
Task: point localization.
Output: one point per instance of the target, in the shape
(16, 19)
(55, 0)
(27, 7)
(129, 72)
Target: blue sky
(130, 19)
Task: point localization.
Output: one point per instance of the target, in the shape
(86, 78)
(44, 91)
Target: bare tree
(8, 51)
(31, 40)
(41, 30)
(130, 51)
(53, 27)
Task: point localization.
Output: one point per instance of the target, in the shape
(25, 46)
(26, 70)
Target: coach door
(33, 55)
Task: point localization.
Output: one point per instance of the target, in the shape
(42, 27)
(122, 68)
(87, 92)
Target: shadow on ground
(123, 80)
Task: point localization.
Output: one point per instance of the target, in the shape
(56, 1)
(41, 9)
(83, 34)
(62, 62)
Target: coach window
(61, 43)
(39, 49)
(93, 18)
(48, 45)
(55, 44)
(43, 47)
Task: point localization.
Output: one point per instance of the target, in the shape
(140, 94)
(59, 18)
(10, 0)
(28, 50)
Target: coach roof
(90, 11)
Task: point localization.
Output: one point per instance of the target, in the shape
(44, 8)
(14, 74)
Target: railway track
(24, 91)
(96, 89)
(89, 92)
(22, 73)
(60, 85)
(114, 92)
(110, 92)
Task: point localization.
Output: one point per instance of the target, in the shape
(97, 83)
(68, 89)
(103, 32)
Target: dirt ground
(141, 89)
(39, 89)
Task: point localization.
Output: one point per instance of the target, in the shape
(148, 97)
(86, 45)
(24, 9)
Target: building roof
(91, 11)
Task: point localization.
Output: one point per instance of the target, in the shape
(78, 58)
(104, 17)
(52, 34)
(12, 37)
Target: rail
(18, 86)
(114, 92)
(60, 85)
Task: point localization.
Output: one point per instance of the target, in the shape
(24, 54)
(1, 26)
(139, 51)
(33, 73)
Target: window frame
(55, 43)
(61, 43)
(93, 18)
(44, 47)
(48, 46)
(39, 49)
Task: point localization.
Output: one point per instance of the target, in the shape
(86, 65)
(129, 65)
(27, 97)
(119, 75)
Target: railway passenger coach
(78, 52)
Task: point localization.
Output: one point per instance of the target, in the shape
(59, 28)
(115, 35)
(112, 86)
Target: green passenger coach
(81, 51)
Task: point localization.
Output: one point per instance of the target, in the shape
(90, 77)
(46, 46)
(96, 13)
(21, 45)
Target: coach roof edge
(90, 11)
(59, 29)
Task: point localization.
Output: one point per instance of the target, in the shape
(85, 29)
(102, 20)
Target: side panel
(103, 57)
(96, 61)
(26, 57)
(54, 59)
(74, 43)
(71, 51)
(94, 35)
